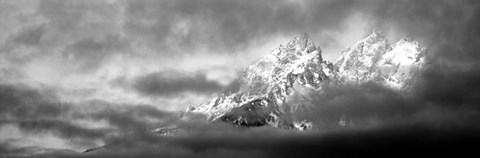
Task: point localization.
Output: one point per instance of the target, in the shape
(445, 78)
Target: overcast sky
(179, 53)
(83, 61)
(169, 53)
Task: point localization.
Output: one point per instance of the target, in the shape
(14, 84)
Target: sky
(77, 74)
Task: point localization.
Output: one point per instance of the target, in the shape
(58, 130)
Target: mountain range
(276, 89)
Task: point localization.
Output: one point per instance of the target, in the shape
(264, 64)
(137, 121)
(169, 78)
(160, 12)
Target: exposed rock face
(274, 89)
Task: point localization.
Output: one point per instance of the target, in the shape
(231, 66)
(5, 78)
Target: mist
(82, 75)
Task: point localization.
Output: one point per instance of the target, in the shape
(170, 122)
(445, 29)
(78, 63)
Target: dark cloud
(372, 105)
(413, 139)
(20, 101)
(60, 128)
(30, 36)
(7, 150)
(407, 124)
(91, 52)
(170, 82)
(129, 118)
(388, 122)
(438, 116)
(449, 86)
(231, 26)
(36, 111)
(177, 27)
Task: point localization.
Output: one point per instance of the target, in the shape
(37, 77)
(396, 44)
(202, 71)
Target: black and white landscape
(239, 78)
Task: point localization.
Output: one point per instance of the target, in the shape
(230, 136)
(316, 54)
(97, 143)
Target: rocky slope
(275, 89)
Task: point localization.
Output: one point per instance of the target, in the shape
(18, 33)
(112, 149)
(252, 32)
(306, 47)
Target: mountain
(374, 59)
(274, 90)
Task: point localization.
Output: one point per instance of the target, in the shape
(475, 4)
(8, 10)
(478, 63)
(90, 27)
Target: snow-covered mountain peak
(408, 42)
(376, 36)
(298, 56)
(402, 63)
(374, 59)
(356, 64)
(302, 43)
(300, 46)
(277, 86)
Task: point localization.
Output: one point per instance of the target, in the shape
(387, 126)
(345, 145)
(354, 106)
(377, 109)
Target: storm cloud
(149, 47)
(36, 112)
(168, 83)
(413, 139)
(90, 31)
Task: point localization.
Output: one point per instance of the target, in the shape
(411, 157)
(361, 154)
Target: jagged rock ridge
(274, 89)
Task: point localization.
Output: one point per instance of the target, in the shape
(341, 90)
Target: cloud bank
(90, 73)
